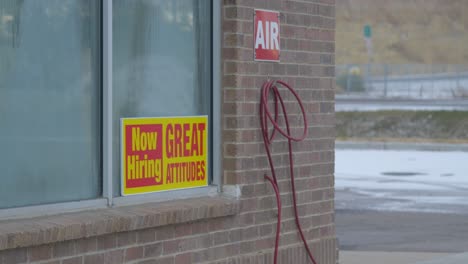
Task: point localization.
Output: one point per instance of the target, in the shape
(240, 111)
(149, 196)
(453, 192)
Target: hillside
(404, 31)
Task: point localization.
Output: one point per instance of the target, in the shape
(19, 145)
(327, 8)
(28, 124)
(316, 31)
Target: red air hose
(267, 117)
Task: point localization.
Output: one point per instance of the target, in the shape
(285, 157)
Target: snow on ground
(402, 180)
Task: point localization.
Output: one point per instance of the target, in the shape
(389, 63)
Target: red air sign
(266, 35)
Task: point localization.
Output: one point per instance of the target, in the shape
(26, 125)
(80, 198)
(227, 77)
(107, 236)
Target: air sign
(266, 35)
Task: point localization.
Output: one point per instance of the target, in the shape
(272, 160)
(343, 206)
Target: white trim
(51, 209)
(165, 196)
(266, 60)
(217, 169)
(233, 191)
(266, 10)
(121, 157)
(107, 102)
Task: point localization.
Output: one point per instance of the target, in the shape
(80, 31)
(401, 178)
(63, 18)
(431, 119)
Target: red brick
(86, 245)
(114, 257)
(73, 260)
(165, 233)
(126, 238)
(133, 253)
(153, 250)
(40, 253)
(235, 235)
(51, 262)
(94, 259)
(166, 260)
(220, 238)
(233, 40)
(13, 256)
(183, 230)
(146, 236)
(170, 247)
(106, 242)
(64, 249)
(204, 241)
(183, 258)
(199, 227)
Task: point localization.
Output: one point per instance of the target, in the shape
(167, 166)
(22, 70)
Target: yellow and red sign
(266, 35)
(163, 153)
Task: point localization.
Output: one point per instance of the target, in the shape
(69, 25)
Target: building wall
(230, 229)
(307, 63)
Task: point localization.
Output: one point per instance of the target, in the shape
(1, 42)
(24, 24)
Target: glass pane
(49, 101)
(161, 61)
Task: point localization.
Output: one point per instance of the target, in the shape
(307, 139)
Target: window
(161, 61)
(51, 103)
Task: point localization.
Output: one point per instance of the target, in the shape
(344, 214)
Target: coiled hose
(267, 117)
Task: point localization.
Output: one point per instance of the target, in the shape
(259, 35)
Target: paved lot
(371, 257)
(402, 231)
(401, 207)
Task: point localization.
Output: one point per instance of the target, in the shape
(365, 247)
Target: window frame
(107, 198)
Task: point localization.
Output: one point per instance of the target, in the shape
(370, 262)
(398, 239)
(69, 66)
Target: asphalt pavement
(401, 206)
(373, 257)
(402, 231)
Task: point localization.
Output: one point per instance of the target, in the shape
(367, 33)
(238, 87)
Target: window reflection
(49, 101)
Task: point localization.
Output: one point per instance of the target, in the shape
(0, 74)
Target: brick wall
(307, 63)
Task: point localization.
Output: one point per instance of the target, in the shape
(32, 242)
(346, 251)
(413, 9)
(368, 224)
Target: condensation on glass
(161, 61)
(49, 101)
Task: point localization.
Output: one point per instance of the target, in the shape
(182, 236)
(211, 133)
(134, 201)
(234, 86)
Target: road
(401, 231)
(420, 86)
(410, 82)
(414, 201)
(347, 104)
